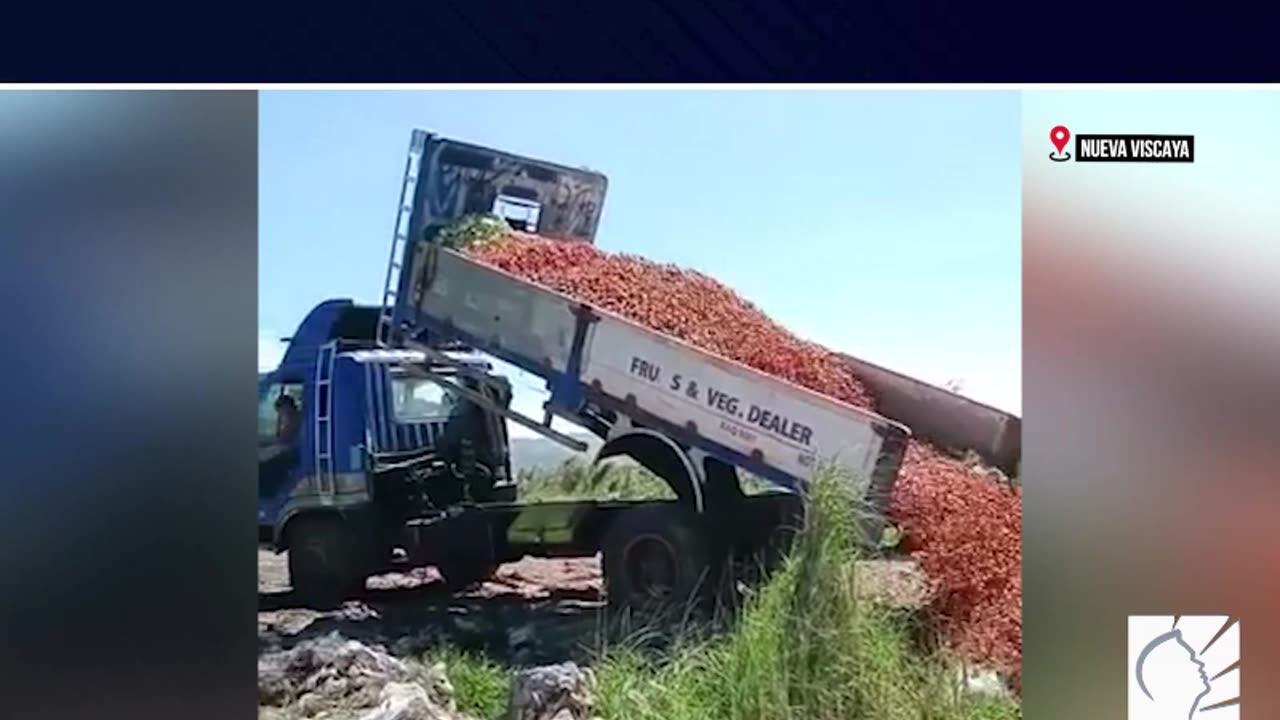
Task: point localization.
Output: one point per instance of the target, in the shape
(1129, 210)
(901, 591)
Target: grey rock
(551, 692)
(982, 682)
(332, 671)
(311, 704)
(407, 701)
(441, 689)
(357, 612)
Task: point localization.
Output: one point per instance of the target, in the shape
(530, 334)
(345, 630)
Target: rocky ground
(360, 660)
(335, 678)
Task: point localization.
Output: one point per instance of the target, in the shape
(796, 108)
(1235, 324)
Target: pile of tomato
(963, 527)
(684, 304)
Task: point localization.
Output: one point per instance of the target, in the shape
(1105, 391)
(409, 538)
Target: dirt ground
(532, 611)
(536, 610)
(530, 578)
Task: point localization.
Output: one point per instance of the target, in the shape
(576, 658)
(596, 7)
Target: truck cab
(355, 440)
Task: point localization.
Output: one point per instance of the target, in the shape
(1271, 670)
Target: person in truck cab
(279, 456)
(287, 421)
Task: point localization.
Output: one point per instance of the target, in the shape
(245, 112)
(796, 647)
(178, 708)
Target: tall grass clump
(805, 647)
(480, 685)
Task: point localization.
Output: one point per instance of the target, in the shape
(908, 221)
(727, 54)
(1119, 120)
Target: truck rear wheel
(655, 559)
(325, 562)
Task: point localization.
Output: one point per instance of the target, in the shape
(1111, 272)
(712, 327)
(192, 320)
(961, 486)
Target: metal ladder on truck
(388, 318)
(324, 419)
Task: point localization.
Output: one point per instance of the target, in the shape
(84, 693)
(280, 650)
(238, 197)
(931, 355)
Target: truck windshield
(417, 401)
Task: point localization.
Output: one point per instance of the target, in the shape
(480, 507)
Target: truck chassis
(655, 553)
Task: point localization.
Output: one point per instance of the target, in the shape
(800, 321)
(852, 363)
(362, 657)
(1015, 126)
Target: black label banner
(1135, 148)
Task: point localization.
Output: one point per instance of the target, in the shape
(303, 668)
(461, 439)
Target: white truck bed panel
(747, 411)
(500, 310)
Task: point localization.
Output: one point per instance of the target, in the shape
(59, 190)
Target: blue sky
(884, 224)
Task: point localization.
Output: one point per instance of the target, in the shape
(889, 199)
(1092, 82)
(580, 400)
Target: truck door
(280, 427)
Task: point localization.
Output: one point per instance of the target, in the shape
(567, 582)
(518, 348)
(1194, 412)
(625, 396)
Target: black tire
(782, 537)
(461, 572)
(325, 561)
(656, 560)
(466, 555)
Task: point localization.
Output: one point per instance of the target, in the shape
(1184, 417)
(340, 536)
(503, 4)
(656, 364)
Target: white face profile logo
(1184, 666)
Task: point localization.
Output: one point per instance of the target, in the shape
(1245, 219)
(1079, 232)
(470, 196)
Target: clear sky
(884, 224)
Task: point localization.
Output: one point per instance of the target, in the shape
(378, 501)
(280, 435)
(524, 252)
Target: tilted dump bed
(594, 359)
(943, 417)
(605, 373)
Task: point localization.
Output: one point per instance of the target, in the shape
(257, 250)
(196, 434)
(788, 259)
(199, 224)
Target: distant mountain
(539, 452)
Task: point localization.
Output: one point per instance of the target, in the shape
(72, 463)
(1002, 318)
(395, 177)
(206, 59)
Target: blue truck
(383, 432)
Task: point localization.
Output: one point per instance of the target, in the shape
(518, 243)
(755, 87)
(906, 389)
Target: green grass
(576, 479)
(805, 647)
(473, 230)
(480, 685)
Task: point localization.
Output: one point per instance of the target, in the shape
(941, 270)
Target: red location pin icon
(1059, 137)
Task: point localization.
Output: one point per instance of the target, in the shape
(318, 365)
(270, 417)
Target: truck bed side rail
(766, 425)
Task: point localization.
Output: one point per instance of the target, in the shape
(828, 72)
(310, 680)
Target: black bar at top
(640, 40)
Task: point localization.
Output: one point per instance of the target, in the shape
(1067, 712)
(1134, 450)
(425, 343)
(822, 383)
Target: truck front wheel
(325, 563)
(655, 559)
(461, 572)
